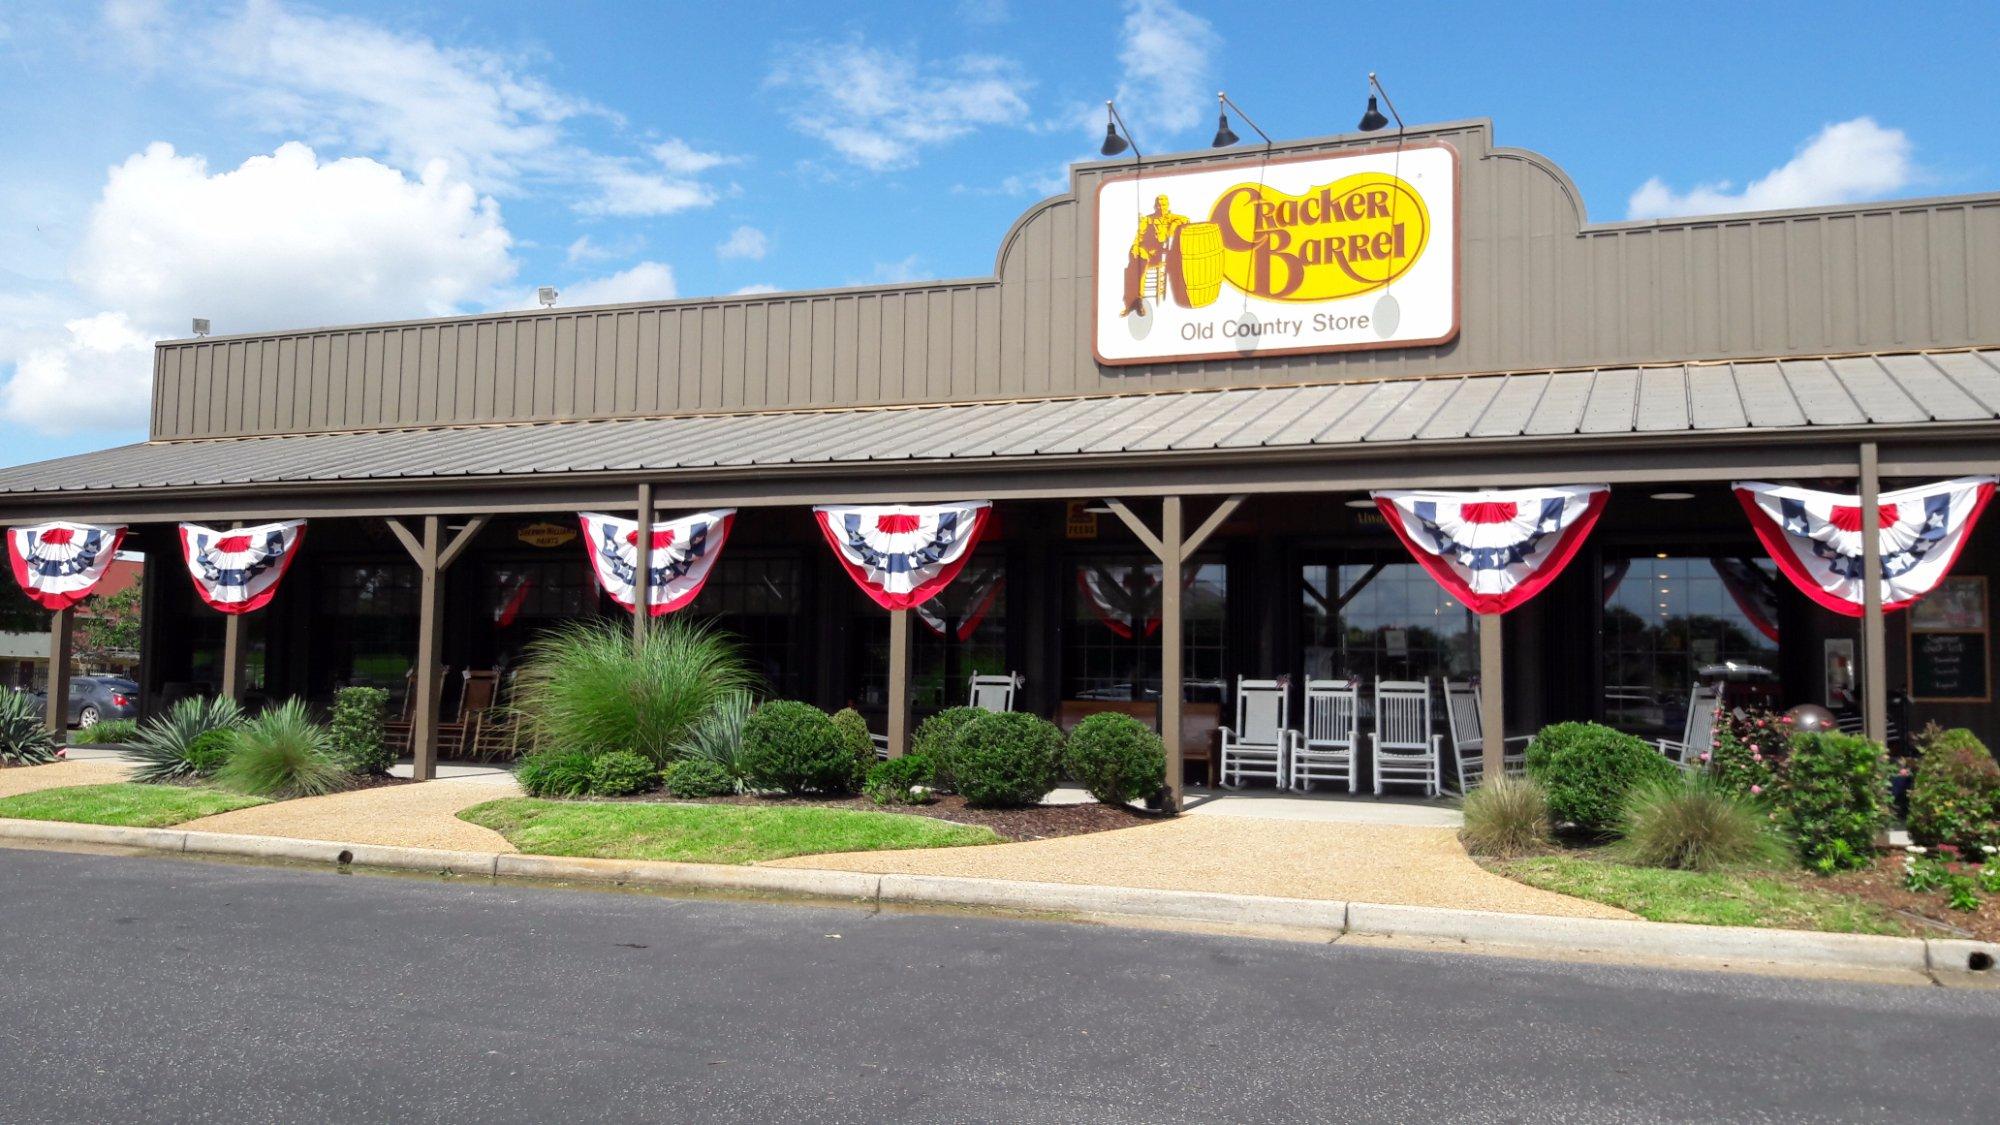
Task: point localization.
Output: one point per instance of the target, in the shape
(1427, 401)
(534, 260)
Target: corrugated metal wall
(1537, 292)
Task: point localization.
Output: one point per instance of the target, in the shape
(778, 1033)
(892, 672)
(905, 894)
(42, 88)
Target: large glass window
(1673, 621)
(757, 599)
(1382, 620)
(527, 597)
(1111, 649)
(960, 633)
(370, 616)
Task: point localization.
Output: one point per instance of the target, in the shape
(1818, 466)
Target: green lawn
(709, 833)
(1718, 899)
(123, 803)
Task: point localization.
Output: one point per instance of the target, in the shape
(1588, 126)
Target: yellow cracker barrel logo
(1342, 239)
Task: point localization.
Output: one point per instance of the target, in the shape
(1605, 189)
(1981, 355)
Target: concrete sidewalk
(423, 815)
(15, 780)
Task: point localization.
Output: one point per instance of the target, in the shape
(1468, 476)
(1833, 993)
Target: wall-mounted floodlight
(547, 296)
(201, 326)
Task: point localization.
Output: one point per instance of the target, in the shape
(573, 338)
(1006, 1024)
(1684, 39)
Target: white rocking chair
(1258, 745)
(1333, 725)
(1461, 710)
(992, 693)
(1699, 736)
(1406, 751)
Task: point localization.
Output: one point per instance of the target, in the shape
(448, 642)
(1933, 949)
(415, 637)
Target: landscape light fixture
(201, 326)
(1371, 118)
(547, 296)
(1113, 143)
(1224, 135)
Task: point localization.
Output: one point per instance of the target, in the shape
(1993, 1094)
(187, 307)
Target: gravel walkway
(1292, 859)
(30, 779)
(424, 815)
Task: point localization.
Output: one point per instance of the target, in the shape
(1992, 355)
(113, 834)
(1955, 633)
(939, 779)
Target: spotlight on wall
(201, 326)
(1362, 503)
(1673, 495)
(1224, 135)
(547, 296)
(1113, 143)
(1371, 118)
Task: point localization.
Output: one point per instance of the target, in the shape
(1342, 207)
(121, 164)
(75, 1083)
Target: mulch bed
(1039, 822)
(1882, 885)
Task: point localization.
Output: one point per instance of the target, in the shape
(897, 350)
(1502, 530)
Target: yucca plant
(718, 737)
(585, 688)
(282, 753)
(171, 748)
(24, 734)
(1506, 816)
(1691, 823)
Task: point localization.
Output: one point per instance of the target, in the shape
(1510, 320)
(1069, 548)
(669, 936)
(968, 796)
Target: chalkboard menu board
(1948, 666)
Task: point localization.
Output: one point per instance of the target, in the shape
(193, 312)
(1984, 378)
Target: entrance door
(1378, 616)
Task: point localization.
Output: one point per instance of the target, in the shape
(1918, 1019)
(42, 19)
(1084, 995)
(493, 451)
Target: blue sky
(283, 164)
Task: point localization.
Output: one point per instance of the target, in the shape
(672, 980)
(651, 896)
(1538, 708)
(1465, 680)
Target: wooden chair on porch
(992, 693)
(1259, 745)
(1405, 749)
(1698, 737)
(1332, 734)
(1468, 742)
(498, 733)
(476, 694)
(396, 733)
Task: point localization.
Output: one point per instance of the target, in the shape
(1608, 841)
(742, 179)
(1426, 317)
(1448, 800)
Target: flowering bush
(1749, 745)
(1834, 799)
(1955, 798)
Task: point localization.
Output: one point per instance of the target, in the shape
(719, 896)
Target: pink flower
(1753, 748)
(1704, 755)
(1756, 757)
(62, 753)
(1756, 789)
(1787, 719)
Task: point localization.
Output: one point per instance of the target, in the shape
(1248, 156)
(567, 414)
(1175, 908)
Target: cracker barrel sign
(1279, 257)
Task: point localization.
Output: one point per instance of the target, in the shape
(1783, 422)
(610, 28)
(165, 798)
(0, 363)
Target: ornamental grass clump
(282, 753)
(798, 749)
(585, 687)
(1955, 797)
(110, 732)
(1116, 757)
(24, 734)
(1506, 817)
(1007, 759)
(1588, 769)
(1835, 799)
(190, 741)
(1691, 823)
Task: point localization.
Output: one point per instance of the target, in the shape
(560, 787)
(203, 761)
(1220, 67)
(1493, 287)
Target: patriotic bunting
(1493, 550)
(1753, 589)
(683, 552)
(59, 564)
(238, 571)
(959, 611)
(901, 555)
(1815, 537)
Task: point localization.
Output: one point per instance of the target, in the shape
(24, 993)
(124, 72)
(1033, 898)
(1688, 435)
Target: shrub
(1116, 757)
(355, 735)
(282, 753)
(698, 777)
(24, 734)
(795, 747)
(622, 773)
(190, 740)
(1505, 817)
(1587, 770)
(854, 735)
(1005, 759)
(585, 688)
(1955, 797)
(110, 732)
(937, 737)
(907, 780)
(555, 773)
(1835, 799)
(718, 736)
(1748, 747)
(1691, 823)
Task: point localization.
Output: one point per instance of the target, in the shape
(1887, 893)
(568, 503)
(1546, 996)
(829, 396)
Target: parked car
(93, 699)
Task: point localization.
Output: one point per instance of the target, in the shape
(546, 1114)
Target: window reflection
(1383, 620)
(1111, 649)
(1672, 622)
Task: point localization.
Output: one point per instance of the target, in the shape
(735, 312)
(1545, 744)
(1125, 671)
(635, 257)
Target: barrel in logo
(1200, 246)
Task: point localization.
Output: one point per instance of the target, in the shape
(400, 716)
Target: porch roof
(1793, 396)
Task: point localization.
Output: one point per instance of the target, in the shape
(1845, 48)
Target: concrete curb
(1666, 941)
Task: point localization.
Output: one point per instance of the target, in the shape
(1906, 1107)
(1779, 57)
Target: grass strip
(124, 804)
(1746, 898)
(709, 833)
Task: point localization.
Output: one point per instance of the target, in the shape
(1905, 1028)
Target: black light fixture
(1113, 143)
(1371, 118)
(1224, 135)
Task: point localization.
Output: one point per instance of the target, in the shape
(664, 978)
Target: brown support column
(62, 646)
(1874, 639)
(1172, 562)
(232, 657)
(424, 714)
(899, 681)
(1492, 696)
(642, 597)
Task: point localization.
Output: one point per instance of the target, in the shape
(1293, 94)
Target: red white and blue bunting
(59, 564)
(1815, 537)
(957, 613)
(238, 571)
(683, 552)
(1493, 550)
(901, 555)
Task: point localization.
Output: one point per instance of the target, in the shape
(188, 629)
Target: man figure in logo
(1150, 248)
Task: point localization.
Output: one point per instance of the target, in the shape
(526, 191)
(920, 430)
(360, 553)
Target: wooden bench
(1199, 723)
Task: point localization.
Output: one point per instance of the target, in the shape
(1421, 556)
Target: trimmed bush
(1587, 770)
(1506, 817)
(282, 753)
(854, 735)
(24, 736)
(584, 687)
(1955, 797)
(698, 777)
(1007, 759)
(937, 737)
(190, 740)
(901, 781)
(622, 773)
(718, 737)
(555, 773)
(356, 734)
(1692, 823)
(1117, 757)
(109, 732)
(797, 748)
(1835, 799)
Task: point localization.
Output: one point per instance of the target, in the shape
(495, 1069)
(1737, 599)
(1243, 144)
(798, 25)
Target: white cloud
(647, 281)
(1847, 161)
(98, 376)
(753, 290)
(896, 273)
(1168, 81)
(744, 242)
(683, 159)
(878, 107)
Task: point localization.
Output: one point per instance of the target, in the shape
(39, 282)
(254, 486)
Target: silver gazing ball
(1812, 718)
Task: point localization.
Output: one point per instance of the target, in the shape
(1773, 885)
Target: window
(371, 614)
(1671, 622)
(1383, 620)
(1111, 649)
(757, 600)
(960, 633)
(524, 598)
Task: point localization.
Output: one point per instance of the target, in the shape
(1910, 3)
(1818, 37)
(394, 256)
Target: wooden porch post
(1874, 640)
(432, 557)
(642, 597)
(899, 681)
(1492, 696)
(232, 657)
(1171, 564)
(62, 646)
